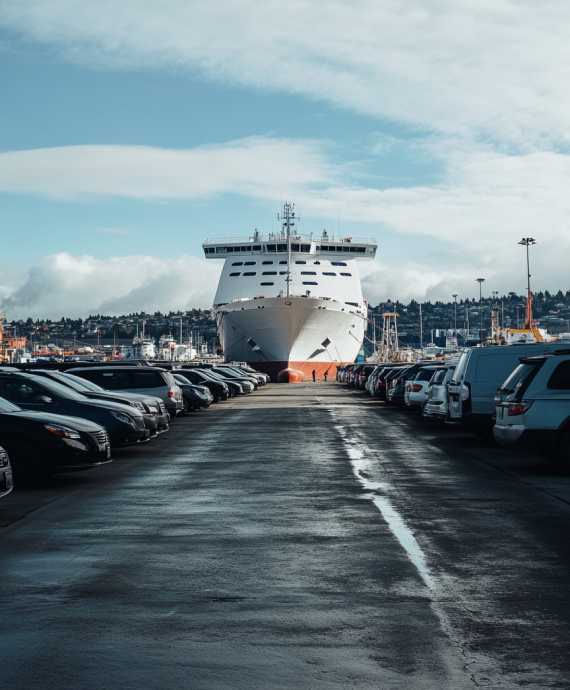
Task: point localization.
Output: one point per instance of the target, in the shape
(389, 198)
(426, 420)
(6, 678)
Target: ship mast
(287, 218)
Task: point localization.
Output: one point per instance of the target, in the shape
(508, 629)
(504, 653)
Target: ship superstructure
(290, 303)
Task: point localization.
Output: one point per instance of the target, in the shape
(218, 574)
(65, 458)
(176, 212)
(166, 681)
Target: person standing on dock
(314, 376)
(326, 375)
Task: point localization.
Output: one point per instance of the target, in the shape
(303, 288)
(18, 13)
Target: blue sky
(130, 133)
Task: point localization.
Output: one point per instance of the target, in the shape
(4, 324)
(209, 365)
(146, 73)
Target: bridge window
(256, 248)
(305, 247)
(361, 250)
(281, 247)
(295, 247)
(271, 247)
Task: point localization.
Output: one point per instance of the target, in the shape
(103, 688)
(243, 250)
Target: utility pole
(526, 242)
(455, 304)
(421, 329)
(480, 281)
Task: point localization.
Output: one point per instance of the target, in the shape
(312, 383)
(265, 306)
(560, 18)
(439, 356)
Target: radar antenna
(287, 217)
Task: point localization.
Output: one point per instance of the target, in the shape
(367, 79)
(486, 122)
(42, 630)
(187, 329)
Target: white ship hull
(289, 338)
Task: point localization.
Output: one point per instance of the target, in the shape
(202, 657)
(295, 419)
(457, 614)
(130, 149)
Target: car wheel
(26, 462)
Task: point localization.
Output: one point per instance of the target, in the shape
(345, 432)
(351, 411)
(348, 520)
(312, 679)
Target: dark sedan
(156, 419)
(125, 426)
(39, 443)
(218, 389)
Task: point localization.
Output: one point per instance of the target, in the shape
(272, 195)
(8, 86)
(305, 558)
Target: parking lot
(302, 537)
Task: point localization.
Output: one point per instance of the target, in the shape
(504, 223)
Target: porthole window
(300, 262)
(282, 262)
(309, 282)
(250, 274)
(329, 274)
(317, 263)
(337, 263)
(238, 263)
(266, 263)
(268, 283)
(249, 263)
(308, 273)
(269, 273)
(346, 274)
(234, 275)
(282, 273)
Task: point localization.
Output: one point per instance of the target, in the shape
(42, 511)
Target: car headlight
(122, 417)
(4, 461)
(153, 410)
(61, 431)
(138, 405)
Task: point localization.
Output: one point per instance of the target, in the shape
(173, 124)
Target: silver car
(532, 407)
(436, 405)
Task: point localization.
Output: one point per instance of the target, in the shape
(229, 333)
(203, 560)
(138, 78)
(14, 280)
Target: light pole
(480, 281)
(526, 242)
(455, 301)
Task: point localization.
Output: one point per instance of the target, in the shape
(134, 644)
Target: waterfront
(263, 544)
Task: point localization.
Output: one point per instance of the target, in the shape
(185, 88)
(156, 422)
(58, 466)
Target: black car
(125, 426)
(230, 374)
(218, 389)
(194, 397)
(39, 443)
(155, 416)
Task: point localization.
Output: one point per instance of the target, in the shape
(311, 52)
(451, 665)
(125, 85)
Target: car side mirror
(44, 400)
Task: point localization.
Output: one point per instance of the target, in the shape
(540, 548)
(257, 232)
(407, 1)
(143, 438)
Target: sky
(132, 131)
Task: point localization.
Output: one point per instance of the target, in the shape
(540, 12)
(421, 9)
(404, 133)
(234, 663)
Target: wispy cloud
(255, 166)
(497, 69)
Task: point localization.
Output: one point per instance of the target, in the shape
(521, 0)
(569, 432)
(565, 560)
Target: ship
(290, 304)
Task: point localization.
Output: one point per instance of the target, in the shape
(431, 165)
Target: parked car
(248, 385)
(436, 405)
(396, 383)
(248, 370)
(194, 397)
(154, 413)
(478, 374)
(415, 393)
(383, 380)
(134, 379)
(371, 380)
(30, 392)
(6, 481)
(363, 375)
(533, 407)
(251, 373)
(219, 389)
(233, 375)
(40, 443)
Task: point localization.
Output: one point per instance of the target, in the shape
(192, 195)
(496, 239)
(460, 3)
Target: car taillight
(416, 388)
(170, 394)
(515, 409)
(465, 392)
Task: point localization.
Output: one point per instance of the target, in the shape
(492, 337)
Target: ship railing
(280, 237)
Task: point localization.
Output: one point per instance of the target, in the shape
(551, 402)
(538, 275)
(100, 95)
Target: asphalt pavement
(301, 537)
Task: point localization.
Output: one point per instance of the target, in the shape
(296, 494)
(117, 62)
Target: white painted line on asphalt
(363, 469)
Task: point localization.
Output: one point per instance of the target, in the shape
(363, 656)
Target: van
(477, 376)
(145, 380)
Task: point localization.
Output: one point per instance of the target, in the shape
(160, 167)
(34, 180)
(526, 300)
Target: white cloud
(498, 68)
(65, 285)
(255, 166)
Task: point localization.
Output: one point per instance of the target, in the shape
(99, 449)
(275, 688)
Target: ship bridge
(276, 243)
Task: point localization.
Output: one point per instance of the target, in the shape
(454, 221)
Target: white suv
(532, 407)
(415, 393)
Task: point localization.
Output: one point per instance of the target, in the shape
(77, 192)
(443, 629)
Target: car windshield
(6, 406)
(72, 381)
(231, 374)
(84, 383)
(58, 388)
(181, 379)
(425, 374)
(518, 377)
(439, 377)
